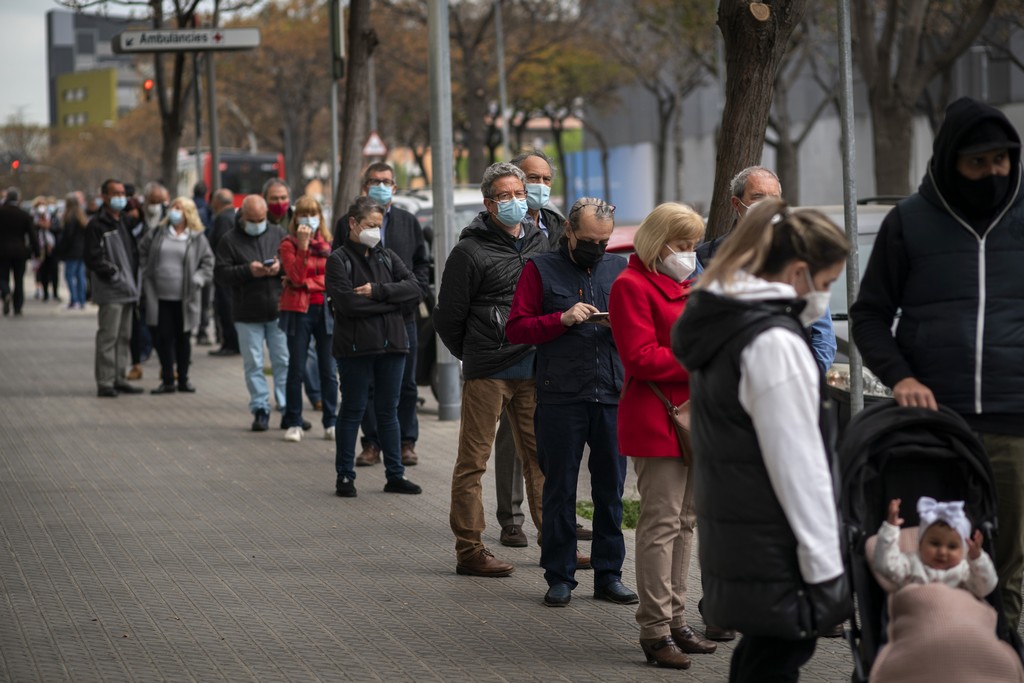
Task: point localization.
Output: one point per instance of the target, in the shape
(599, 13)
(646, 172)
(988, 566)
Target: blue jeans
(562, 430)
(384, 370)
(408, 400)
(74, 273)
(305, 326)
(251, 337)
(312, 376)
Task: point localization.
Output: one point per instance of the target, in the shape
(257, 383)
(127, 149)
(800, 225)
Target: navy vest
(583, 364)
(962, 322)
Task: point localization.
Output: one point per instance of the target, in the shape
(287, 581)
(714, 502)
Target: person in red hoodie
(646, 300)
(304, 313)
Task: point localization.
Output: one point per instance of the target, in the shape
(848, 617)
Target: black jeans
(225, 321)
(16, 267)
(759, 659)
(172, 341)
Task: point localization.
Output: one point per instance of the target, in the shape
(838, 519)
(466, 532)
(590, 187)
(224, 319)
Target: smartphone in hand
(268, 263)
(597, 317)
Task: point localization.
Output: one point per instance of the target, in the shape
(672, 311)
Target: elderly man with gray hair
(473, 305)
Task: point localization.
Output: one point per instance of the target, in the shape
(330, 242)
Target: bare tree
(361, 40)
(756, 36)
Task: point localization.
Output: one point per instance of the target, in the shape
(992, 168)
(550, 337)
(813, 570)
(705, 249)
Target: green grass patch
(630, 512)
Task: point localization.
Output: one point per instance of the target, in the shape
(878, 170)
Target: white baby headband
(951, 512)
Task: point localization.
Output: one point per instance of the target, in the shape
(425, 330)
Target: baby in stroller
(939, 557)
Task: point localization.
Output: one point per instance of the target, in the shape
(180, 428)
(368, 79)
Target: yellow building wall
(86, 98)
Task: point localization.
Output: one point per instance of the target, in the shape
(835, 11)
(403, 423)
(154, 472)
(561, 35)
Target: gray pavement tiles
(157, 538)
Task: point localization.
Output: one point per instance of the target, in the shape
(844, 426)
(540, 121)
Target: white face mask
(817, 302)
(370, 237)
(678, 265)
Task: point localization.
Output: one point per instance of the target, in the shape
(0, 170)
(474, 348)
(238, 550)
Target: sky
(23, 54)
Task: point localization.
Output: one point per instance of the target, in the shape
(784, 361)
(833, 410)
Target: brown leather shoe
(370, 455)
(689, 642)
(513, 536)
(135, 373)
(665, 653)
(484, 563)
(409, 457)
(582, 561)
(583, 534)
(722, 635)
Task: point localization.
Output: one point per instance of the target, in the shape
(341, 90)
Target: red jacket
(304, 270)
(643, 307)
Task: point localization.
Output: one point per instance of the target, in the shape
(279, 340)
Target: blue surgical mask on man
(511, 212)
(537, 195)
(381, 194)
(255, 229)
(117, 203)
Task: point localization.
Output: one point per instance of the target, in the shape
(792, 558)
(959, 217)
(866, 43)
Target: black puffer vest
(582, 364)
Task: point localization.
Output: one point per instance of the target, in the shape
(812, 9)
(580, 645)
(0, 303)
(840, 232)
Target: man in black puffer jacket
(949, 257)
(473, 304)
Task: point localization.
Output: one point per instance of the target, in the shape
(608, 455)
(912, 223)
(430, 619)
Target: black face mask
(587, 254)
(983, 197)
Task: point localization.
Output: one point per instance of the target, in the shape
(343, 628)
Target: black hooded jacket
(956, 276)
(475, 297)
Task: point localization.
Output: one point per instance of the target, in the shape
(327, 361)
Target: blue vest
(962, 325)
(583, 364)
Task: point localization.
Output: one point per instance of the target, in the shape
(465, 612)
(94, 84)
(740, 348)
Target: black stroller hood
(893, 452)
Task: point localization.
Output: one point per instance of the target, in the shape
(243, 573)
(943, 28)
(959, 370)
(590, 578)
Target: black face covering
(979, 198)
(587, 254)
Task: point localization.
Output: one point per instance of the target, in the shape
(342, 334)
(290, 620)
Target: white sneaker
(329, 434)
(293, 434)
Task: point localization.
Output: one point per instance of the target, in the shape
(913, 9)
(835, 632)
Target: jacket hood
(715, 315)
(962, 118)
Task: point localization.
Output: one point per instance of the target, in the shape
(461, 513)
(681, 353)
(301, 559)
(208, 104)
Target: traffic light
(15, 164)
(147, 88)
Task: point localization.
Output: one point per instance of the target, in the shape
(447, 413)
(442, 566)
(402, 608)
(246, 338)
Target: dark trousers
(759, 659)
(562, 431)
(311, 324)
(172, 341)
(142, 339)
(384, 371)
(206, 298)
(222, 310)
(15, 267)
(408, 400)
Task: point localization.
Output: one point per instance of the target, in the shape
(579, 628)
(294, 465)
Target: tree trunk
(606, 182)
(557, 127)
(787, 167)
(753, 52)
(893, 126)
(476, 131)
(680, 154)
(666, 109)
(362, 40)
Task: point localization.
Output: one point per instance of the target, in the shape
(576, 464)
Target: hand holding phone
(597, 317)
(268, 263)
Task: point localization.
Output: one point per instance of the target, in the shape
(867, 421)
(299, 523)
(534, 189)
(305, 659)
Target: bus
(241, 172)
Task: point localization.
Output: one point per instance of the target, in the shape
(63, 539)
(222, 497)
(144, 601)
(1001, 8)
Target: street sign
(186, 40)
(374, 146)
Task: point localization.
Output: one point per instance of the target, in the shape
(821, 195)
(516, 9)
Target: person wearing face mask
(154, 208)
(646, 299)
(304, 314)
(247, 263)
(177, 263)
(112, 257)
(368, 285)
(770, 557)
(401, 233)
(949, 259)
(472, 308)
(579, 377)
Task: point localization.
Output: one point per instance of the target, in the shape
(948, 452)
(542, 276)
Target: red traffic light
(147, 88)
(16, 164)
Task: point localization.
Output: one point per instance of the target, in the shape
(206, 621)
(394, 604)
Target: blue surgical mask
(117, 203)
(175, 216)
(381, 194)
(312, 221)
(537, 195)
(511, 212)
(255, 229)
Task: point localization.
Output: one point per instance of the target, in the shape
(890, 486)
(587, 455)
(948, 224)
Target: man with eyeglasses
(472, 308)
(401, 233)
(578, 373)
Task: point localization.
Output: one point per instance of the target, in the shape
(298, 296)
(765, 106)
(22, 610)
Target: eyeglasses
(601, 210)
(374, 182)
(508, 196)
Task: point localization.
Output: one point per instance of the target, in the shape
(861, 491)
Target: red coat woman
(646, 300)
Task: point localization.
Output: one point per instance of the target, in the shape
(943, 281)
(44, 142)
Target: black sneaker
(260, 421)
(128, 389)
(402, 485)
(345, 487)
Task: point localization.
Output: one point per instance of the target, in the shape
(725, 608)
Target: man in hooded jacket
(949, 258)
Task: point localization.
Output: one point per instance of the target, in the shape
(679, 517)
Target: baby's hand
(974, 545)
(894, 512)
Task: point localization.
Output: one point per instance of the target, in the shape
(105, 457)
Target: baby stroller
(892, 452)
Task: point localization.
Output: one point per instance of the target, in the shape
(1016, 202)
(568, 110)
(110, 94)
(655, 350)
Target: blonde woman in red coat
(646, 300)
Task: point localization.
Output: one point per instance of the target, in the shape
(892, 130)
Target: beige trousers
(664, 543)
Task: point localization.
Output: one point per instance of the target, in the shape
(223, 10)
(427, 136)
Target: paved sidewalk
(157, 538)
